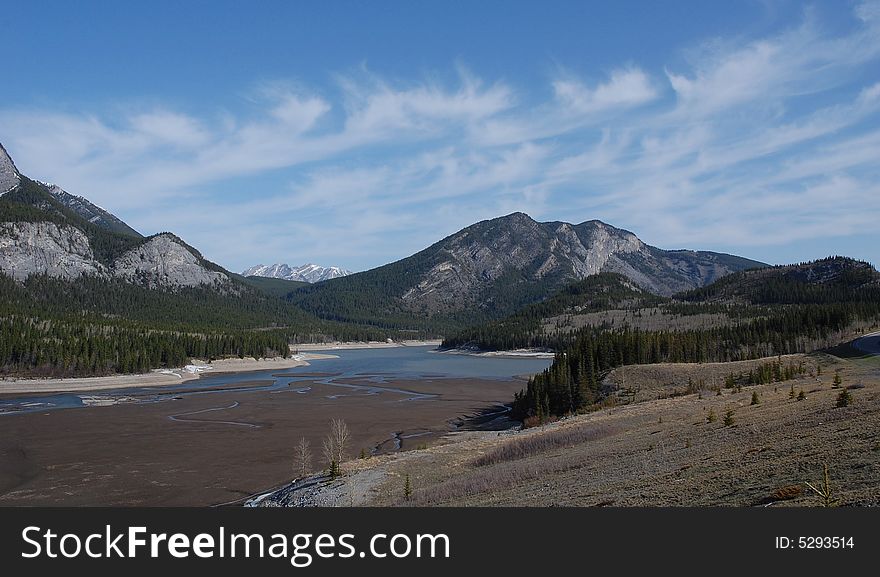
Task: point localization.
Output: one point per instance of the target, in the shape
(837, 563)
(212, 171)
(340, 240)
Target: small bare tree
(341, 436)
(335, 444)
(303, 462)
(330, 457)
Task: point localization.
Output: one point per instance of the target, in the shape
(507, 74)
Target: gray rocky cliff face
(9, 177)
(164, 262)
(28, 248)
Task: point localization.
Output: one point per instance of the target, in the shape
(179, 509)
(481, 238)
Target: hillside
(830, 280)
(90, 212)
(783, 310)
(493, 268)
(540, 325)
(613, 302)
(277, 287)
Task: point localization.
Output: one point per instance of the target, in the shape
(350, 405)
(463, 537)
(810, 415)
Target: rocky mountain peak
(9, 175)
(469, 265)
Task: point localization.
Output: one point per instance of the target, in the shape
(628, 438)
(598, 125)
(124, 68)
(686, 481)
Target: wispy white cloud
(625, 88)
(753, 143)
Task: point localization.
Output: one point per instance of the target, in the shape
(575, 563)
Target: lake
(378, 365)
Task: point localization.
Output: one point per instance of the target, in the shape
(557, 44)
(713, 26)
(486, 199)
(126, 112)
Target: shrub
(728, 418)
(844, 398)
(530, 422)
(801, 396)
(407, 488)
(710, 418)
(755, 399)
(824, 491)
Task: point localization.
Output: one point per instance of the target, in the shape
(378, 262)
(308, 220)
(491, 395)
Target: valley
(577, 365)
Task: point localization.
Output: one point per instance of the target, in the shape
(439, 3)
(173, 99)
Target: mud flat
(220, 447)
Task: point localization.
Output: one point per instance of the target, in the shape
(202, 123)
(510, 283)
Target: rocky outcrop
(29, 248)
(163, 261)
(9, 177)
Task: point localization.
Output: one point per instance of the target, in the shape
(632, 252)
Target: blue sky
(357, 133)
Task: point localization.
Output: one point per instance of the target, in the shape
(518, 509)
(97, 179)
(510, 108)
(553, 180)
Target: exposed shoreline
(509, 354)
(156, 377)
(340, 345)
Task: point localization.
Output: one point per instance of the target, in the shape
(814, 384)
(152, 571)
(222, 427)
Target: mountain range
(486, 270)
(310, 273)
(492, 268)
(67, 260)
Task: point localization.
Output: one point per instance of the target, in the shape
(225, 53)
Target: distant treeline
(36, 347)
(95, 326)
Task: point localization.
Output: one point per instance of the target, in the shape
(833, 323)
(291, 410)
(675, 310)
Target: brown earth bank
(219, 447)
(657, 452)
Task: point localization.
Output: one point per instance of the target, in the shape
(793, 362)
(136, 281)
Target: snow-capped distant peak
(310, 272)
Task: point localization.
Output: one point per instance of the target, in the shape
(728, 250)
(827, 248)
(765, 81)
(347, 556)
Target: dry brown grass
(530, 445)
(787, 493)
